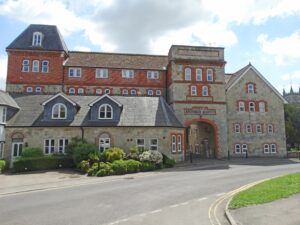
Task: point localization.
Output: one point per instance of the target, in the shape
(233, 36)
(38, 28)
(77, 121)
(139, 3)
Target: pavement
(284, 211)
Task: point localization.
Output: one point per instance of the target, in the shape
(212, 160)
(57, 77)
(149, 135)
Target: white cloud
(284, 50)
(3, 70)
(295, 75)
(82, 48)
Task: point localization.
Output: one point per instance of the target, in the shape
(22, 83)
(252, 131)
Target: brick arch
(17, 135)
(216, 132)
(104, 132)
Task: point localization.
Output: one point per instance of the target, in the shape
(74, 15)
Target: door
(17, 148)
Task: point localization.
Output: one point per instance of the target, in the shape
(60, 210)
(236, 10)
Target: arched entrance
(202, 139)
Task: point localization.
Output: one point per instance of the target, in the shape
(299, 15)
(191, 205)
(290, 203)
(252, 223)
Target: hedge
(2, 165)
(42, 163)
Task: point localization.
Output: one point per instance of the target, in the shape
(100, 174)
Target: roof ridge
(117, 53)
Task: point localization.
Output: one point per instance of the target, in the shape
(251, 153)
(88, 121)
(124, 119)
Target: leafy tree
(292, 124)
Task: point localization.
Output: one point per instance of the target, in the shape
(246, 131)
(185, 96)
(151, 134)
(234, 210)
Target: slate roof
(136, 112)
(7, 100)
(230, 78)
(52, 40)
(117, 60)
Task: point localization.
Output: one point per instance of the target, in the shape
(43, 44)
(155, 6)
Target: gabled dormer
(105, 109)
(59, 108)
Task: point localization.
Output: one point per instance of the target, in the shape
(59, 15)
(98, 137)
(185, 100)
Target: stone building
(292, 97)
(179, 103)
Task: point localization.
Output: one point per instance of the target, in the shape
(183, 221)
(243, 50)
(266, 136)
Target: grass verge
(268, 191)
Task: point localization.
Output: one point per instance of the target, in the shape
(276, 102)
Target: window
(98, 91)
(251, 106)
(62, 143)
(45, 66)
(140, 143)
(249, 128)
(244, 148)
(35, 66)
(187, 74)
(250, 88)
(49, 146)
(270, 129)
(237, 148)
(158, 92)
(174, 143)
(198, 74)
(273, 148)
(101, 73)
(258, 128)
(193, 90)
(74, 72)
(37, 39)
(237, 128)
(59, 111)
(72, 91)
(105, 112)
(17, 147)
(25, 65)
(29, 89)
(266, 148)
(128, 74)
(150, 92)
(3, 119)
(80, 91)
(153, 144)
(209, 75)
(124, 92)
(38, 89)
(107, 91)
(1, 149)
(204, 91)
(262, 107)
(152, 75)
(133, 92)
(241, 106)
(104, 142)
(179, 143)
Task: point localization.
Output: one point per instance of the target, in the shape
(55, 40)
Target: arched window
(107, 91)
(35, 66)
(45, 66)
(104, 142)
(105, 112)
(98, 91)
(71, 90)
(150, 92)
(25, 65)
(187, 74)
(241, 107)
(270, 128)
(173, 143)
(204, 91)
(29, 89)
(266, 148)
(80, 91)
(251, 106)
(124, 92)
(37, 39)
(209, 75)
(158, 92)
(59, 111)
(273, 148)
(198, 74)
(244, 148)
(250, 88)
(262, 107)
(133, 92)
(237, 148)
(237, 128)
(193, 90)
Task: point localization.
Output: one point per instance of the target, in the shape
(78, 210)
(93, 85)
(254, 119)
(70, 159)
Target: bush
(112, 154)
(133, 153)
(82, 151)
(2, 165)
(147, 166)
(105, 170)
(169, 163)
(132, 166)
(119, 167)
(42, 163)
(151, 156)
(84, 166)
(32, 152)
(93, 169)
(74, 142)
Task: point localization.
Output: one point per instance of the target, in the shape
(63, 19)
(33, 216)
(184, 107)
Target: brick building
(177, 103)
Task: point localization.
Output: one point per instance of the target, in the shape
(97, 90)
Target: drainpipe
(82, 133)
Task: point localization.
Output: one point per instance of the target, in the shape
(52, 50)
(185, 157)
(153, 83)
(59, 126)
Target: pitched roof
(137, 111)
(61, 95)
(7, 100)
(52, 40)
(117, 60)
(105, 96)
(231, 78)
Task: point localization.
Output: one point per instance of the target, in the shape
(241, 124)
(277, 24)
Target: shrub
(82, 150)
(32, 152)
(133, 153)
(169, 163)
(42, 163)
(147, 166)
(132, 166)
(151, 156)
(74, 142)
(105, 170)
(119, 167)
(84, 165)
(112, 154)
(2, 165)
(93, 169)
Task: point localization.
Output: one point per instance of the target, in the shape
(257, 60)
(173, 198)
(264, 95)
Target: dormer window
(105, 112)
(37, 39)
(59, 111)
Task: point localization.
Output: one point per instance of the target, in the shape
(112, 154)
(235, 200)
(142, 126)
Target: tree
(292, 124)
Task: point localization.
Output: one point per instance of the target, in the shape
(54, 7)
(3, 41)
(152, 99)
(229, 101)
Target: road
(178, 196)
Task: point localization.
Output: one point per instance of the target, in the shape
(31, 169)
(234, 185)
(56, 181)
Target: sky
(263, 32)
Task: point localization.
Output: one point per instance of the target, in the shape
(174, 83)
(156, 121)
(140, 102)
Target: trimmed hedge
(42, 163)
(32, 152)
(2, 165)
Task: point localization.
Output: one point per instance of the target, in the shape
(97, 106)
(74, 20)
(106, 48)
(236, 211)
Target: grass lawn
(268, 191)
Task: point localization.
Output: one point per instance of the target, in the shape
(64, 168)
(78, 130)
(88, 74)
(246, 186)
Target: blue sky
(263, 32)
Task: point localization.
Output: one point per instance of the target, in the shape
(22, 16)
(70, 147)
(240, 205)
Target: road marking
(220, 194)
(184, 203)
(202, 199)
(156, 211)
(173, 206)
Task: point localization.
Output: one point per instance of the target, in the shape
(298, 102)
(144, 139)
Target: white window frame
(209, 75)
(101, 73)
(244, 148)
(72, 91)
(60, 107)
(49, 146)
(98, 91)
(250, 88)
(249, 128)
(106, 111)
(204, 91)
(80, 91)
(133, 92)
(125, 92)
(104, 142)
(25, 65)
(1, 150)
(37, 39)
(152, 75)
(150, 92)
(262, 107)
(251, 106)
(74, 72)
(193, 90)
(38, 89)
(158, 92)
(128, 74)
(241, 106)
(270, 128)
(188, 73)
(273, 148)
(45, 66)
(29, 89)
(237, 148)
(107, 91)
(258, 128)
(174, 143)
(179, 143)
(237, 128)
(153, 146)
(141, 147)
(62, 146)
(35, 66)
(266, 148)
(4, 112)
(198, 74)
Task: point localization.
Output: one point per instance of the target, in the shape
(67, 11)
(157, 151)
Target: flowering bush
(151, 156)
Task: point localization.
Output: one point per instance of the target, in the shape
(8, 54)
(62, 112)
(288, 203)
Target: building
(292, 97)
(184, 101)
